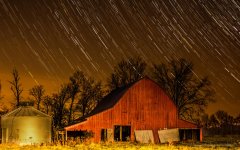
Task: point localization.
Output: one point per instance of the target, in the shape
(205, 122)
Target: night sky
(46, 40)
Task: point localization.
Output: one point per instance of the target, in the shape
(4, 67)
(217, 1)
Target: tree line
(81, 94)
(220, 123)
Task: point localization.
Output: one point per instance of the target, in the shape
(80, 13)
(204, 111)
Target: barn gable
(112, 98)
(142, 105)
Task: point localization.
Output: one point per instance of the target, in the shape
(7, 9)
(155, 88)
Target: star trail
(46, 40)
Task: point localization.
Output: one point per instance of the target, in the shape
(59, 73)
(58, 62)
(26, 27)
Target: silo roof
(25, 111)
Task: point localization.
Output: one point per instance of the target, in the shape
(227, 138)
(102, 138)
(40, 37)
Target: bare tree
(74, 88)
(204, 122)
(89, 97)
(59, 109)
(16, 86)
(237, 120)
(224, 118)
(190, 93)
(48, 104)
(213, 122)
(126, 72)
(3, 108)
(37, 92)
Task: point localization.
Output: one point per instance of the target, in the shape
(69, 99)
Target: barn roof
(110, 100)
(25, 111)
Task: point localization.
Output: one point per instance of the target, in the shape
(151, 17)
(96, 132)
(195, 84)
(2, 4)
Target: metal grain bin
(26, 125)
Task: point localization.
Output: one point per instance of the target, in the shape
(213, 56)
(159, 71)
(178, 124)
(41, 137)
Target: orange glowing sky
(47, 40)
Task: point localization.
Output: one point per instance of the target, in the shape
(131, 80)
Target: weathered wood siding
(144, 107)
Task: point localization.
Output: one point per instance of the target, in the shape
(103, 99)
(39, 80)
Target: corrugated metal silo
(26, 125)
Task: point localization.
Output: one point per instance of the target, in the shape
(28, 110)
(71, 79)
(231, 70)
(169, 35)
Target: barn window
(122, 133)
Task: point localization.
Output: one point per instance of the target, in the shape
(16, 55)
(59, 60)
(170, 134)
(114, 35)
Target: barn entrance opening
(104, 135)
(77, 136)
(189, 134)
(122, 133)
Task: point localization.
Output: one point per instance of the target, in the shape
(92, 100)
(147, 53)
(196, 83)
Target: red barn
(141, 106)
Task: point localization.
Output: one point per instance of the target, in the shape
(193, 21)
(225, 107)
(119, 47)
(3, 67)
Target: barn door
(110, 135)
(107, 135)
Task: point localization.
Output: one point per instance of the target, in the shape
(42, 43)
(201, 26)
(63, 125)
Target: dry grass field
(121, 146)
(209, 143)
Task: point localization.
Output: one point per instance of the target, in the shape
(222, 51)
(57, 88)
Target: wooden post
(120, 133)
(184, 135)
(57, 136)
(192, 134)
(66, 138)
(201, 135)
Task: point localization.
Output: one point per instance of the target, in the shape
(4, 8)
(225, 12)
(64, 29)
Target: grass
(122, 146)
(217, 139)
(209, 143)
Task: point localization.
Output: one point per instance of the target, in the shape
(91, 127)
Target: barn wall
(144, 106)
